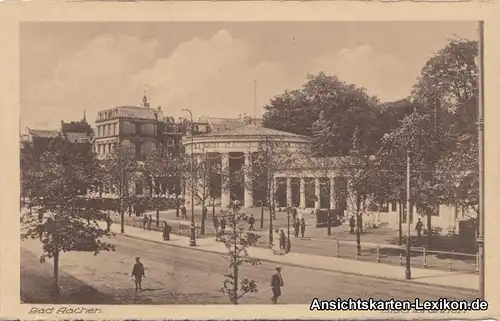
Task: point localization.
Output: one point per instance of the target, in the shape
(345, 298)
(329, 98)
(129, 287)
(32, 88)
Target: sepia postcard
(253, 160)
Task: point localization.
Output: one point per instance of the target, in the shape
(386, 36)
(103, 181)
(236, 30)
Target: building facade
(77, 131)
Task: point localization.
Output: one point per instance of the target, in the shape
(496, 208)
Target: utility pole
(408, 205)
(192, 228)
(255, 99)
(480, 129)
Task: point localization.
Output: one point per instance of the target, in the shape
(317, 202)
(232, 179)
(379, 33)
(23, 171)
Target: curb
(303, 266)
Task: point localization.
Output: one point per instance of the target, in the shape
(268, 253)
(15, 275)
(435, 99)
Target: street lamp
(192, 239)
(288, 227)
(480, 128)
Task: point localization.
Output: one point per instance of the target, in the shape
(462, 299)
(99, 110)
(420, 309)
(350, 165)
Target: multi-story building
(131, 127)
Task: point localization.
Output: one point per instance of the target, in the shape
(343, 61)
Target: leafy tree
(447, 92)
(207, 168)
(271, 156)
(120, 169)
(327, 109)
(65, 220)
(413, 136)
(237, 242)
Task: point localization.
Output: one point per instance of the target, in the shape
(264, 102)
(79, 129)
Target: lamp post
(408, 205)
(288, 228)
(480, 129)
(192, 238)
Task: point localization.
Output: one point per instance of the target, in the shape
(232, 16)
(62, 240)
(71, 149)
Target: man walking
(184, 212)
(149, 222)
(276, 284)
(418, 228)
(138, 274)
(302, 227)
(251, 221)
(352, 224)
(145, 222)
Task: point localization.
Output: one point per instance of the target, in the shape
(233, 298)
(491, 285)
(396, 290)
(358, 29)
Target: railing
(419, 256)
(177, 227)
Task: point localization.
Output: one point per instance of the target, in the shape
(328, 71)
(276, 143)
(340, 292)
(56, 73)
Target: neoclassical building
(306, 183)
(235, 148)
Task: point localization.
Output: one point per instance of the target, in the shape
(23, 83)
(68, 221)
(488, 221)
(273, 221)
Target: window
(114, 129)
(99, 149)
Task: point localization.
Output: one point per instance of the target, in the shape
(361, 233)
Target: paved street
(176, 275)
(318, 242)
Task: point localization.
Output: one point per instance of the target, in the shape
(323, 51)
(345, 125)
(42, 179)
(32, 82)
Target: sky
(67, 68)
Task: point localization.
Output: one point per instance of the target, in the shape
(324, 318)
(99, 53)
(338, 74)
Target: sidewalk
(333, 264)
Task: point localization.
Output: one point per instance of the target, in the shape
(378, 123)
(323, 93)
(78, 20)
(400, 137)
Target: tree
(413, 136)
(120, 171)
(327, 109)
(207, 168)
(65, 220)
(447, 92)
(157, 168)
(237, 242)
(271, 156)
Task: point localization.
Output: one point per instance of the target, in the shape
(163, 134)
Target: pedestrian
(204, 213)
(302, 227)
(282, 240)
(294, 214)
(149, 222)
(296, 228)
(360, 223)
(138, 274)
(276, 243)
(184, 212)
(145, 222)
(276, 284)
(166, 231)
(352, 224)
(251, 221)
(418, 228)
(222, 225)
(216, 225)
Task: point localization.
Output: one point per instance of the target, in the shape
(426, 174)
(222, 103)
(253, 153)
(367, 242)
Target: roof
(76, 127)
(43, 133)
(131, 112)
(221, 124)
(251, 130)
(135, 112)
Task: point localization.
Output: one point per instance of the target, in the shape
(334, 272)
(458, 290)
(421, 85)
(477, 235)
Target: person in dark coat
(184, 212)
(360, 223)
(296, 227)
(222, 225)
(418, 227)
(282, 240)
(302, 227)
(166, 231)
(138, 273)
(251, 222)
(276, 284)
(150, 220)
(216, 224)
(352, 224)
(145, 222)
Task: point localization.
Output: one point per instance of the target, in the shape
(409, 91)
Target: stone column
(317, 193)
(289, 192)
(248, 196)
(302, 193)
(333, 204)
(225, 194)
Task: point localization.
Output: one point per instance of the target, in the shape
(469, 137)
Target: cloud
(211, 77)
(381, 74)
